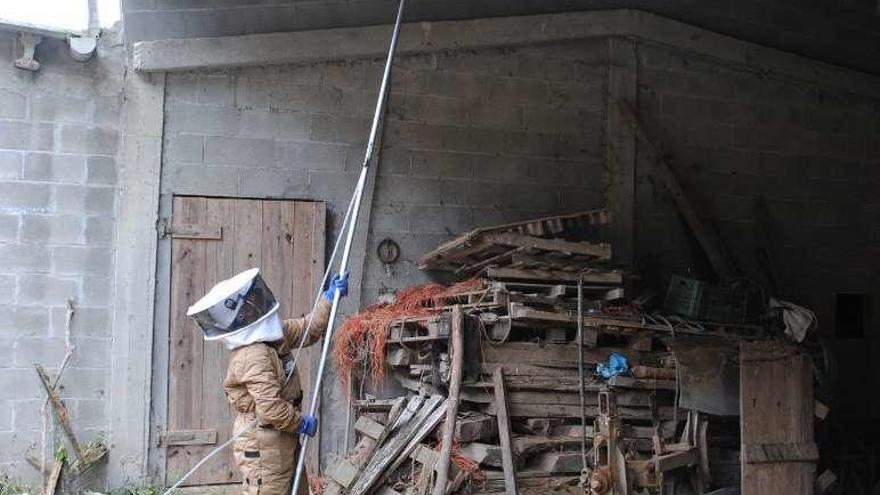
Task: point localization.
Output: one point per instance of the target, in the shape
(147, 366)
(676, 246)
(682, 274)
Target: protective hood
(234, 306)
(269, 329)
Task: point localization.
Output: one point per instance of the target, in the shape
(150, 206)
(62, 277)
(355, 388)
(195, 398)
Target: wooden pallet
(523, 244)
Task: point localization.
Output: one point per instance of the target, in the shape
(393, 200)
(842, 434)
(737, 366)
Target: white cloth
(268, 330)
(798, 319)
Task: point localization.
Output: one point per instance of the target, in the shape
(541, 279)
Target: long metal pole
(346, 253)
(580, 329)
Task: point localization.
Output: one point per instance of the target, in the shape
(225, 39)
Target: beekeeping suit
(243, 314)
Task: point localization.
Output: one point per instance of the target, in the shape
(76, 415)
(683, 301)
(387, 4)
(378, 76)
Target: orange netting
(469, 466)
(367, 331)
(316, 484)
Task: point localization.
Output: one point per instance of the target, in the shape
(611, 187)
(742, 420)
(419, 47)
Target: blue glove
(308, 425)
(617, 365)
(337, 283)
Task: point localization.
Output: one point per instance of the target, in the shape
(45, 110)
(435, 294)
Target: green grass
(139, 489)
(10, 486)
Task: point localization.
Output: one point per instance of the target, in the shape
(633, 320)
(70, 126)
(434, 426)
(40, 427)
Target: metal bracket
(29, 42)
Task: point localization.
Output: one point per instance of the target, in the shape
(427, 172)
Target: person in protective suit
(243, 313)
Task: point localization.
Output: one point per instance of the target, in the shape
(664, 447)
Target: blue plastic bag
(617, 365)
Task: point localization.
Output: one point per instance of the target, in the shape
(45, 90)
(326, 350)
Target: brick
(288, 125)
(27, 413)
(24, 258)
(86, 322)
(239, 151)
(92, 200)
(201, 119)
(26, 136)
(215, 90)
(273, 183)
(185, 148)
(46, 289)
(79, 260)
(24, 321)
(205, 180)
(54, 168)
(94, 140)
(11, 163)
(9, 226)
(101, 170)
(51, 229)
(55, 108)
(312, 156)
(12, 105)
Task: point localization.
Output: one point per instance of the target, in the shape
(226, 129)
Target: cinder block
(26, 413)
(11, 163)
(489, 62)
(97, 290)
(57, 108)
(240, 151)
(54, 168)
(338, 129)
(251, 93)
(407, 190)
(313, 98)
(441, 83)
(22, 197)
(93, 200)
(101, 170)
(79, 260)
(390, 218)
(273, 183)
(181, 87)
(312, 156)
(576, 94)
(506, 90)
(24, 258)
(413, 136)
(7, 288)
(443, 164)
(430, 109)
(5, 411)
(205, 180)
(15, 443)
(51, 229)
(46, 289)
(93, 140)
(501, 169)
(15, 135)
(481, 115)
(201, 119)
(9, 223)
(550, 119)
(12, 105)
(98, 355)
(262, 123)
(80, 383)
(91, 413)
(449, 220)
(106, 111)
(86, 322)
(24, 321)
(332, 186)
(392, 161)
(215, 89)
(185, 148)
(99, 230)
(474, 140)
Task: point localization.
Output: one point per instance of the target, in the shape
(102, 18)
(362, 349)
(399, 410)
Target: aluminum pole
(580, 335)
(346, 253)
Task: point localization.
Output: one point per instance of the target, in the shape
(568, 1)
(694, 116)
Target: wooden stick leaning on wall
(61, 412)
(510, 485)
(456, 358)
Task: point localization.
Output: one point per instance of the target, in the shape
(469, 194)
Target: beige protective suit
(255, 385)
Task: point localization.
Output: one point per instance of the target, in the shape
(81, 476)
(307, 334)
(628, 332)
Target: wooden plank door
(213, 239)
(776, 417)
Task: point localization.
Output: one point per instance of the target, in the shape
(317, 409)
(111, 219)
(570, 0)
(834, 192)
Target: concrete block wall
(59, 133)
(786, 166)
(471, 139)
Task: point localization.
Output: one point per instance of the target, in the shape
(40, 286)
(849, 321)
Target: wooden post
(62, 413)
(456, 358)
(504, 432)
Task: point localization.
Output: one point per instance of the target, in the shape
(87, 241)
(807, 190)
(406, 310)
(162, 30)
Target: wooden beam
(507, 456)
(456, 358)
(61, 413)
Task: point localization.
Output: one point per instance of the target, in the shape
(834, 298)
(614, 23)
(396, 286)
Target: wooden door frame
(158, 402)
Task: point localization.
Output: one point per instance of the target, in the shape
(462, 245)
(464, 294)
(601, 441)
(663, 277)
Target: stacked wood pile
(491, 383)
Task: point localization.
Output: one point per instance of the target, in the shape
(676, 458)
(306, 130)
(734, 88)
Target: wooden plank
(706, 237)
(456, 361)
(780, 452)
(61, 413)
(393, 448)
(593, 277)
(216, 411)
(186, 230)
(598, 251)
(54, 476)
(776, 407)
(368, 427)
(553, 355)
(188, 437)
(504, 433)
(574, 411)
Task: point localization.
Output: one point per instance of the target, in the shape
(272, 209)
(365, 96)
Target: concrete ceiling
(843, 32)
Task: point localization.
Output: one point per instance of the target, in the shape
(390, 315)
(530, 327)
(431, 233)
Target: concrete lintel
(330, 45)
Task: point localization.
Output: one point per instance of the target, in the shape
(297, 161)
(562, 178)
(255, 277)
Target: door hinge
(163, 227)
